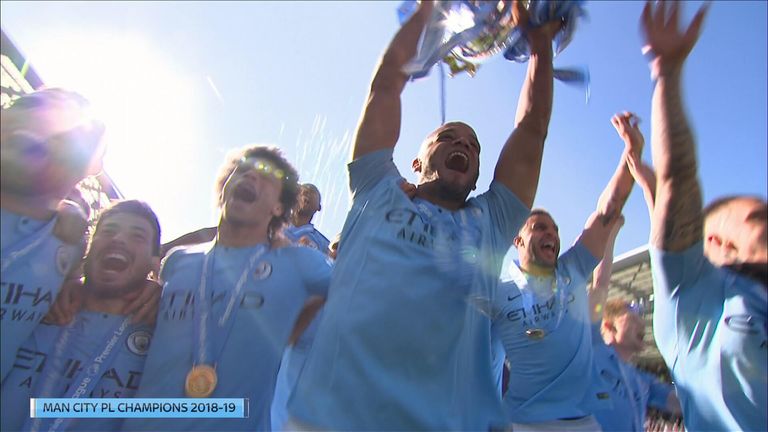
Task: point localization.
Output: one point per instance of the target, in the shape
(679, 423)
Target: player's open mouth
(549, 246)
(244, 192)
(457, 161)
(115, 261)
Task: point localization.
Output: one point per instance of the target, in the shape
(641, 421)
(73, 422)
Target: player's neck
(425, 192)
(40, 208)
(241, 235)
(110, 305)
(625, 353)
(534, 269)
(300, 220)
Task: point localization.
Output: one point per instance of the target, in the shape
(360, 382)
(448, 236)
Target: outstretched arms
(520, 160)
(598, 228)
(677, 220)
(379, 125)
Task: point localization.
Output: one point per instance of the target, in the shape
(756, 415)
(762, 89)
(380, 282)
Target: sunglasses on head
(636, 308)
(263, 166)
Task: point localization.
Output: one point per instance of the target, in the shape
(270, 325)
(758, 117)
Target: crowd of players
(402, 322)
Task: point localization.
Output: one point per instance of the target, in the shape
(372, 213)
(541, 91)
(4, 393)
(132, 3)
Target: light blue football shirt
(34, 263)
(498, 357)
(632, 391)
(399, 346)
(551, 377)
(710, 326)
(294, 358)
(317, 239)
(270, 301)
(89, 335)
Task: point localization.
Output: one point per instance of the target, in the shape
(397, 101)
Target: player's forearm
(379, 125)
(389, 74)
(616, 192)
(677, 221)
(534, 107)
(520, 160)
(601, 280)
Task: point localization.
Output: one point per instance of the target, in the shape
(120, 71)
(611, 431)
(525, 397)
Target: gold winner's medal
(535, 333)
(201, 380)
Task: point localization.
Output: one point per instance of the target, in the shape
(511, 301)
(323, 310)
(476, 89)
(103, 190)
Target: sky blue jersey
(400, 345)
(544, 325)
(294, 358)
(632, 391)
(34, 263)
(246, 357)
(37, 372)
(316, 239)
(710, 326)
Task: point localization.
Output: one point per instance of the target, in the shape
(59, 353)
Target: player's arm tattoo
(677, 222)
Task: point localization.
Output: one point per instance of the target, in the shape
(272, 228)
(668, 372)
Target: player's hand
(627, 126)
(71, 222)
(408, 189)
(143, 304)
(665, 42)
(538, 37)
(67, 304)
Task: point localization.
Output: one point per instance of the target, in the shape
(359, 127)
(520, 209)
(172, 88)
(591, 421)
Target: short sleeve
(579, 261)
(507, 212)
(673, 271)
(369, 170)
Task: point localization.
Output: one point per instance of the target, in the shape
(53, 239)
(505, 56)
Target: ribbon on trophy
(464, 33)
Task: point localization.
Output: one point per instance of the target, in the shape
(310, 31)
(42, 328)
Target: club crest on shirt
(64, 258)
(262, 271)
(138, 342)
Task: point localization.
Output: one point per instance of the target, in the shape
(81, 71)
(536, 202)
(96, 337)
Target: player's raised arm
(677, 217)
(520, 160)
(379, 125)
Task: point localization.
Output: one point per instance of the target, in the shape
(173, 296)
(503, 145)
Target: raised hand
(143, 304)
(68, 302)
(626, 125)
(665, 41)
(538, 37)
(71, 222)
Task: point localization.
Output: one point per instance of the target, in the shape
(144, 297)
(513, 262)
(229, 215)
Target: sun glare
(459, 20)
(153, 121)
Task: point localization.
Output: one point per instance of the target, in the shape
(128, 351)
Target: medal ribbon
(203, 323)
(527, 296)
(85, 381)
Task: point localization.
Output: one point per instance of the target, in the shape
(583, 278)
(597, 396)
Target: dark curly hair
(273, 154)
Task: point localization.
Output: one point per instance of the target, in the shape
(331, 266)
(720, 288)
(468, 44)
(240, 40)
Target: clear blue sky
(182, 83)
